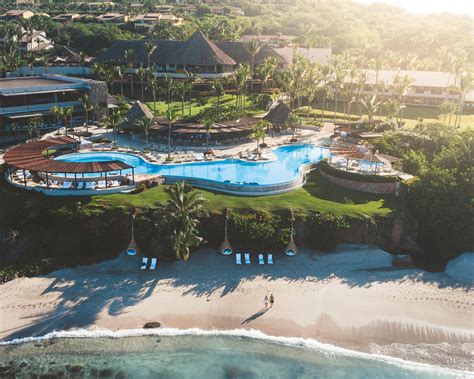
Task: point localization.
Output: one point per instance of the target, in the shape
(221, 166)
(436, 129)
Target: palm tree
(45, 61)
(401, 86)
(253, 48)
(464, 83)
(83, 59)
(168, 89)
(88, 106)
(265, 125)
(128, 55)
(67, 115)
(241, 76)
(266, 71)
(149, 48)
(208, 123)
(219, 91)
(154, 88)
(258, 134)
(181, 90)
(170, 115)
(113, 122)
(119, 72)
(33, 124)
(141, 72)
(293, 121)
(144, 123)
(371, 104)
(183, 209)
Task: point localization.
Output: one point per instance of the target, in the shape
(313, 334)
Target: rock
(403, 261)
(76, 369)
(105, 373)
(152, 325)
(23, 364)
(120, 375)
(94, 371)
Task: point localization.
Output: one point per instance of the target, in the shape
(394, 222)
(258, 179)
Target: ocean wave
(251, 334)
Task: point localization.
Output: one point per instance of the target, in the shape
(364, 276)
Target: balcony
(37, 108)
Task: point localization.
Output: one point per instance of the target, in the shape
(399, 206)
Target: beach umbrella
(226, 248)
(291, 248)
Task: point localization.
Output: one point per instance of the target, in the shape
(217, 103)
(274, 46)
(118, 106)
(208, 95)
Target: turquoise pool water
(283, 169)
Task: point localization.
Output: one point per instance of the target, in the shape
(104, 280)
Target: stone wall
(363, 186)
(98, 95)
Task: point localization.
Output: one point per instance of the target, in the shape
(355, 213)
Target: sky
(430, 6)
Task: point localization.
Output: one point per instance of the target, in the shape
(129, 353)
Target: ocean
(195, 353)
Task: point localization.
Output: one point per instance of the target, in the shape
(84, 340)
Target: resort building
(149, 20)
(314, 55)
(428, 88)
(16, 15)
(117, 18)
(22, 99)
(66, 17)
(37, 41)
(198, 55)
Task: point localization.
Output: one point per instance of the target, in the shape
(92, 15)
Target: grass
(411, 114)
(317, 195)
(198, 105)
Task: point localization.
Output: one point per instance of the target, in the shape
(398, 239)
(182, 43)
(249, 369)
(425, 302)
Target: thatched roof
(279, 114)
(198, 50)
(137, 112)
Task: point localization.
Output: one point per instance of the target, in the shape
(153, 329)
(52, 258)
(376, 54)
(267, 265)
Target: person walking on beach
(272, 300)
(265, 300)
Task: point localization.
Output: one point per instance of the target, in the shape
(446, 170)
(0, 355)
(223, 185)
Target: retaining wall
(380, 188)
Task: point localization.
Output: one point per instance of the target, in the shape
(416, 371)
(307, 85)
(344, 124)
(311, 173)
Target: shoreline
(351, 298)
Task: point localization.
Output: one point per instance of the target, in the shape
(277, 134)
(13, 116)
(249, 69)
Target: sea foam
(298, 342)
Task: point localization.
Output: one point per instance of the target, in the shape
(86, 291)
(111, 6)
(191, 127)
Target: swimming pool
(227, 172)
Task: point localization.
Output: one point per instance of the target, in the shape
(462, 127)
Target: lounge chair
(238, 258)
(144, 263)
(153, 264)
(261, 261)
(247, 258)
(270, 258)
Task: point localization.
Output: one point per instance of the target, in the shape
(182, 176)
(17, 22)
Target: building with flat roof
(149, 20)
(24, 98)
(16, 15)
(117, 18)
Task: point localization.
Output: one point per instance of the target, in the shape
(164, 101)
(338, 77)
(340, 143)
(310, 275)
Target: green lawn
(410, 114)
(317, 195)
(199, 104)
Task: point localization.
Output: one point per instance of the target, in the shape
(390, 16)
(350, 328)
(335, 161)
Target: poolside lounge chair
(247, 258)
(144, 263)
(153, 264)
(270, 258)
(238, 258)
(261, 261)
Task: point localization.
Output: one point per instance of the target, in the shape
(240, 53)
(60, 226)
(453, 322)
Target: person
(272, 300)
(265, 300)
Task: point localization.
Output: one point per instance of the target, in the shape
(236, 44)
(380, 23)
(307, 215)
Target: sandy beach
(351, 297)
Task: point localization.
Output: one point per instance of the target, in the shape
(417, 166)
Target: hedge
(325, 167)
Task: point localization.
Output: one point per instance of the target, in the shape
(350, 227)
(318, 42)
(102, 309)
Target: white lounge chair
(270, 258)
(261, 261)
(247, 258)
(144, 263)
(153, 264)
(238, 258)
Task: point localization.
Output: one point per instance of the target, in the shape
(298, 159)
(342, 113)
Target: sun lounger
(144, 263)
(247, 258)
(66, 185)
(270, 258)
(153, 264)
(261, 261)
(238, 258)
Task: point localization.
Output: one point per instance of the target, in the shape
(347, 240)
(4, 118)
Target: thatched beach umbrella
(226, 248)
(291, 248)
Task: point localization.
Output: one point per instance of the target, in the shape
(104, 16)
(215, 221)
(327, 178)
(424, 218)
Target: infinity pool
(285, 168)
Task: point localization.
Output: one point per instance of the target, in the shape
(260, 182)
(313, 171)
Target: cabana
(32, 161)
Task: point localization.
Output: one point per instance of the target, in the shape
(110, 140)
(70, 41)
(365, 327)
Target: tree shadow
(113, 286)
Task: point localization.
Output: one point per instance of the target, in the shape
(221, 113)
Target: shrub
(139, 189)
(323, 228)
(260, 229)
